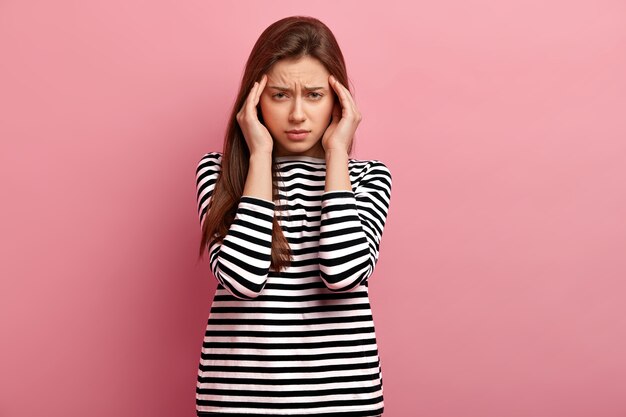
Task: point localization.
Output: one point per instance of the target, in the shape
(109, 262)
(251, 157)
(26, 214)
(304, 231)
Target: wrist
(336, 153)
(261, 156)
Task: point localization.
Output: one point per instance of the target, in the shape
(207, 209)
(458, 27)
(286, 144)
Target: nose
(297, 112)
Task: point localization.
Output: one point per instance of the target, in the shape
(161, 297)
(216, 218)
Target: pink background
(501, 284)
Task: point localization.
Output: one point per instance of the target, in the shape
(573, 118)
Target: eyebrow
(277, 87)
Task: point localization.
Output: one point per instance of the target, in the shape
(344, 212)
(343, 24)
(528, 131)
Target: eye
(316, 96)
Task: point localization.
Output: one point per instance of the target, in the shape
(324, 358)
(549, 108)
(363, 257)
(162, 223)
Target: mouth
(297, 134)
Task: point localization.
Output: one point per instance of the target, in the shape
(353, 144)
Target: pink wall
(500, 287)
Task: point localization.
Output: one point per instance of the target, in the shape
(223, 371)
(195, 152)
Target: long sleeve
(241, 261)
(351, 229)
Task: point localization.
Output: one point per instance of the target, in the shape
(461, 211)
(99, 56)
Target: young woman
(292, 226)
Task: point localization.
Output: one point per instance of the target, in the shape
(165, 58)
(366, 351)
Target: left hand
(345, 119)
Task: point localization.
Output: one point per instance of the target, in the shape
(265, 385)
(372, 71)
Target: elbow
(241, 286)
(249, 296)
(250, 292)
(342, 287)
(242, 292)
(346, 281)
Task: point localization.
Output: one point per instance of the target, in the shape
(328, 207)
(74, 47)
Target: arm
(351, 228)
(241, 261)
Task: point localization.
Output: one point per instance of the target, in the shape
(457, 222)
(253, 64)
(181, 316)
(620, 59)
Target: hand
(345, 120)
(257, 136)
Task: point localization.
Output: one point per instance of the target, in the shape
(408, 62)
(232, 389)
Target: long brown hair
(289, 38)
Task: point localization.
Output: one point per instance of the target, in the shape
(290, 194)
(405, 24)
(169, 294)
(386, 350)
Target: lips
(297, 134)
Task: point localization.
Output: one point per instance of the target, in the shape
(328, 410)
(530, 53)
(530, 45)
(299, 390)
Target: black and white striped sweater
(300, 341)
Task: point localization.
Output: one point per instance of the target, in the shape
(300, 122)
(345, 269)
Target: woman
(292, 226)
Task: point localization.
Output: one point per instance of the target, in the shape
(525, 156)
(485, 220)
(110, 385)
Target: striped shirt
(299, 342)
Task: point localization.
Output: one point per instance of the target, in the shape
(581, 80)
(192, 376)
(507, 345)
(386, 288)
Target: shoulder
(372, 169)
(208, 170)
(210, 161)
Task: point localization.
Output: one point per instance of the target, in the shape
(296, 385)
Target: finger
(251, 100)
(348, 95)
(260, 88)
(244, 106)
(343, 96)
(334, 83)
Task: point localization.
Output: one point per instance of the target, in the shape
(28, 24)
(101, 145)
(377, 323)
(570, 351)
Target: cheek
(266, 103)
(271, 117)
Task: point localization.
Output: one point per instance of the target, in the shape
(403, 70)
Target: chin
(297, 148)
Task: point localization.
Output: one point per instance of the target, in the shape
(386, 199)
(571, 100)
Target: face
(297, 96)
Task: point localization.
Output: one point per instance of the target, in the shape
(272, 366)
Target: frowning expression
(297, 96)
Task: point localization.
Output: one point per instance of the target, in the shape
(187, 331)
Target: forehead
(305, 70)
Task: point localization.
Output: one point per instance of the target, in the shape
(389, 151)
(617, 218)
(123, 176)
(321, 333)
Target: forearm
(351, 227)
(337, 174)
(241, 262)
(259, 178)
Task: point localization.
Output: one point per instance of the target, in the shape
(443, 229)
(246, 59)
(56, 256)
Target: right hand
(257, 136)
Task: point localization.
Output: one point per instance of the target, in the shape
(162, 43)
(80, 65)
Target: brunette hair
(289, 38)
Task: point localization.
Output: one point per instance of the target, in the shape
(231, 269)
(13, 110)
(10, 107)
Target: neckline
(299, 158)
